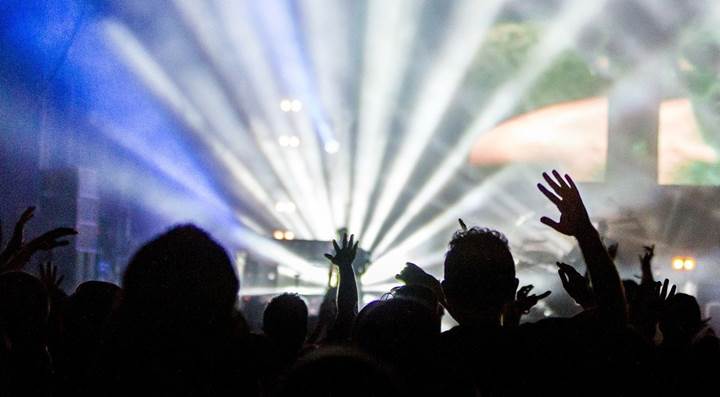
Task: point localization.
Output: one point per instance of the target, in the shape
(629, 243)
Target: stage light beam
(560, 36)
(469, 24)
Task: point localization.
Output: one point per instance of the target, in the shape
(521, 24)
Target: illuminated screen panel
(571, 136)
(685, 155)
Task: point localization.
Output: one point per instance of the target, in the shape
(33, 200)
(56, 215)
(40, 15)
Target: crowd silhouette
(174, 328)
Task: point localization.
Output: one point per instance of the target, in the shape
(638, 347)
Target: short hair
(182, 274)
(285, 320)
(479, 267)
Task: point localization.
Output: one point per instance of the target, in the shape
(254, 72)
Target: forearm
(347, 302)
(607, 285)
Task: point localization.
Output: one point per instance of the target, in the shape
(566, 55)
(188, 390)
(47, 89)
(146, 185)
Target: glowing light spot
(332, 147)
(678, 263)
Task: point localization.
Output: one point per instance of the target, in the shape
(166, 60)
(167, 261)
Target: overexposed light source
(291, 141)
(291, 105)
(288, 235)
(678, 263)
(294, 141)
(286, 105)
(684, 263)
(689, 264)
(278, 235)
(332, 146)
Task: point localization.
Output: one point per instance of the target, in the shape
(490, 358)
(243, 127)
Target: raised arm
(646, 265)
(575, 221)
(16, 239)
(46, 242)
(413, 275)
(347, 296)
(513, 311)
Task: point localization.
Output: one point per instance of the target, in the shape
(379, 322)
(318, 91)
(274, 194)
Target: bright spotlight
(684, 263)
(284, 140)
(678, 263)
(689, 264)
(293, 141)
(286, 105)
(278, 235)
(332, 146)
(288, 235)
(296, 105)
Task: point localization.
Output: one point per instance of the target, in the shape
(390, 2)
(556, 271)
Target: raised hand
(512, 312)
(412, 274)
(525, 302)
(16, 240)
(345, 253)
(646, 264)
(574, 218)
(49, 276)
(574, 221)
(347, 296)
(576, 285)
(661, 291)
(46, 242)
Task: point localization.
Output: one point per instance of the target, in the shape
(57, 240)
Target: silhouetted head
(399, 331)
(338, 372)
(182, 277)
(479, 273)
(681, 319)
(89, 308)
(23, 307)
(285, 321)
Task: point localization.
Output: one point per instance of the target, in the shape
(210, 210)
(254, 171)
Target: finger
(549, 222)
(560, 179)
(523, 292)
(552, 197)
(544, 295)
(672, 291)
(61, 232)
(345, 240)
(330, 257)
(336, 246)
(27, 215)
(563, 278)
(55, 244)
(351, 242)
(551, 182)
(462, 225)
(664, 290)
(570, 182)
(355, 247)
